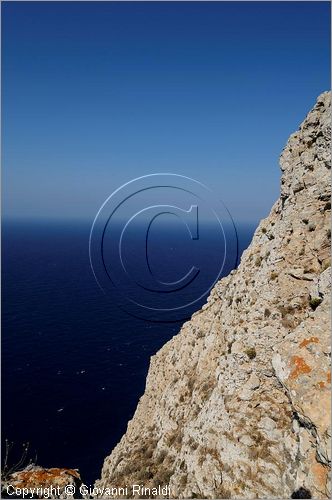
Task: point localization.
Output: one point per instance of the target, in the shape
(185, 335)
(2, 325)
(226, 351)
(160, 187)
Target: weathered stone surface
(238, 403)
(37, 482)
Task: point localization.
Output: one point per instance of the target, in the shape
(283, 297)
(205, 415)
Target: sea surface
(74, 362)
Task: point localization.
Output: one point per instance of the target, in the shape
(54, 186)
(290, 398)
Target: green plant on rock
(326, 264)
(315, 302)
(267, 313)
(251, 352)
(258, 261)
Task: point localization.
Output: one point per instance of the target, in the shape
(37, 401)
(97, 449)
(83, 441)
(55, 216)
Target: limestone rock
(243, 409)
(38, 482)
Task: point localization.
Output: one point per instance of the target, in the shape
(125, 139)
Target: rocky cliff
(238, 403)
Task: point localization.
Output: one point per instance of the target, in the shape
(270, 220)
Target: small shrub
(222, 493)
(178, 439)
(207, 386)
(163, 476)
(191, 383)
(9, 468)
(250, 352)
(183, 481)
(204, 451)
(273, 275)
(200, 334)
(264, 230)
(194, 445)
(287, 320)
(144, 474)
(161, 457)
(315, 302)
(258, 261)
(207, 389)
(183, 466)
(286, 310)
(326, 264)
(288, 323)
(267, 313)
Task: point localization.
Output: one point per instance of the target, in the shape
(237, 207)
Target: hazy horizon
(96, 94)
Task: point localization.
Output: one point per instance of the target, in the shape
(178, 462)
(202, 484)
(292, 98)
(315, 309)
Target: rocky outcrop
(38, 482)
(238, 403)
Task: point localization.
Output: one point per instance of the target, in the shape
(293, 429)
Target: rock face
(238, 403)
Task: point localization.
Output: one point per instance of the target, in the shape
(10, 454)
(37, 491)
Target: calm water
(74, 363)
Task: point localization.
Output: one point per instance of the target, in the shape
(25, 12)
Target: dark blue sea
(74, 362)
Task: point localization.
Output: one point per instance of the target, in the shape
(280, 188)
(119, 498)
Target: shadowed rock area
(238, 403)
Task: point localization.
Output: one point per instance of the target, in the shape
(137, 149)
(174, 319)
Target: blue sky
(97, 93)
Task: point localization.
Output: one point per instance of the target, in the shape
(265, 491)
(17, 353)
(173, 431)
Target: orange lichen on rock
(321, 385)
(44, 477)
(311, 340)
(301, 367)
(320, 474)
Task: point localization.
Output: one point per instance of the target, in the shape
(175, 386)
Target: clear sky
(97, 93)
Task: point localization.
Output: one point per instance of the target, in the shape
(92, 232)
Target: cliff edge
(238, 403)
